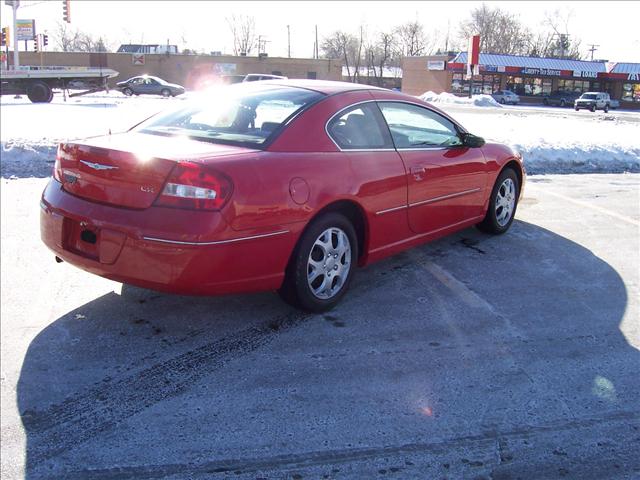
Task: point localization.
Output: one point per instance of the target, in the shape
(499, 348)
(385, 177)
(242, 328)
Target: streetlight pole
(16, 56)
(289, 40)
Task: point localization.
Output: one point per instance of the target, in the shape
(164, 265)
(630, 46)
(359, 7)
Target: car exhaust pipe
(59, 260)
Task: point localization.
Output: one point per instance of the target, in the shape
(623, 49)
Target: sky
(203, 25)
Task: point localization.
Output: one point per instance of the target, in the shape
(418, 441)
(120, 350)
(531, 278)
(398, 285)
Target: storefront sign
(541, 71)
(224, 68)
(435, 65)
(580, 74)
(634, 77)
(26, 29)
(494, 68)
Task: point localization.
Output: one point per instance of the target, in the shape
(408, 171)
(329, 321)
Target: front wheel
(502, 101)
(322, 264)
(562, 103)
(502, 204)
(606, 108)
(127, 91)
(165, 92)
(593, 108)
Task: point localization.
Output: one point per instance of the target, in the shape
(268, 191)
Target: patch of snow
(551, 140)
(477, 100)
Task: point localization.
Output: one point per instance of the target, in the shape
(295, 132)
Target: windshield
(589, 96)
(244, 115)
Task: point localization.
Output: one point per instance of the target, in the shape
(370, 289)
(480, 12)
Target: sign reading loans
(137, 59)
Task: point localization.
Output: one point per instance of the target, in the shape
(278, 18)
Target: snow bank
(559, 141)
(551, 140)
(477, 100)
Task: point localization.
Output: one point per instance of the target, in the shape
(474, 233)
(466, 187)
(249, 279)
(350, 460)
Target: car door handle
(418, 173)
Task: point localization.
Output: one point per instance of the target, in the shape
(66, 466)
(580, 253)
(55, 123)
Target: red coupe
(281, 185)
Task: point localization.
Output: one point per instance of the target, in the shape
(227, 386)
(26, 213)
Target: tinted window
(413, 126)
(243, 114)
(359, 127)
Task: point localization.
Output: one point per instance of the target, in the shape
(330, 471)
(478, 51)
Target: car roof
(327, 87)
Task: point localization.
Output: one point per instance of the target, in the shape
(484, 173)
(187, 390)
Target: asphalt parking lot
(473, 357)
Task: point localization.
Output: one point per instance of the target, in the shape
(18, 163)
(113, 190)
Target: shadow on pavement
(119, 355)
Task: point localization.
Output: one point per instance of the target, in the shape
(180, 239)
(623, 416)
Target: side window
(359, 127)
(413, 126)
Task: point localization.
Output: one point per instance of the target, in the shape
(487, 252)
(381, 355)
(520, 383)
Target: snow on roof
(626, 68)
(387, 72)
(533, 62)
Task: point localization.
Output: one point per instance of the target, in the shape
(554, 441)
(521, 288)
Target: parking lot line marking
(591, 206)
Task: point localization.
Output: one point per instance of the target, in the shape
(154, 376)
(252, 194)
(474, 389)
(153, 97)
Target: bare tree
(74, 40)
(243, 29)
(413, 41)
(344, 46)
(379, 54)
(500, 31)
(561, 44)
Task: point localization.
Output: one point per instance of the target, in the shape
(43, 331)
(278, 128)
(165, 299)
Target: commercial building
(530, 77)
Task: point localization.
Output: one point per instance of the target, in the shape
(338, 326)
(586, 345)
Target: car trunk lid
(129, 170)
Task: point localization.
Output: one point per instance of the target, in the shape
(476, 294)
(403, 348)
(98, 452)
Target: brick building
(530, 77)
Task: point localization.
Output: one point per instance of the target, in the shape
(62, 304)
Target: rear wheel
(606, 108)
(39, 92)
(502, 204)
(562, 102)
(165, 92)
(322, 264)
(593, 108)
(502, 101)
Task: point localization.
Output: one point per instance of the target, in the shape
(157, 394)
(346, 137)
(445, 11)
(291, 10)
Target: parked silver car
(506, 96)
(148, 85)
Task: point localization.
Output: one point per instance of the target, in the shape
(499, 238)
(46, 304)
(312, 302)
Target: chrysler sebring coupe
(283, 185)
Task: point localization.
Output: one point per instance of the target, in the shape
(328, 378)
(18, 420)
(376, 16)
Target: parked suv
(593, 101)
(562, 99)
(506, 96)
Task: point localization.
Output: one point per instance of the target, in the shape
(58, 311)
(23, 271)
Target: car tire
(562, 103)
(502, 101)
(165, 92)
(322, 264)
(593, 108)
(546, 102)
(127, 91)
(606, 108)
(502, 204)
(577, 109)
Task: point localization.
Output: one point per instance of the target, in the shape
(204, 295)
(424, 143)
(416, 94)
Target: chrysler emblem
(98, 166)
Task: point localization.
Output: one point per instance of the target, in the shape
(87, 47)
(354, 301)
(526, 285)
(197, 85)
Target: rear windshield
(589, 96)
(242, 114)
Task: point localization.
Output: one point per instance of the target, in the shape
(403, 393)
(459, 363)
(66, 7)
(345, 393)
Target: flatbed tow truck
(38, 83)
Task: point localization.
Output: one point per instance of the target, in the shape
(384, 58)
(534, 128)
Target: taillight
(195, 187)
(57, 167)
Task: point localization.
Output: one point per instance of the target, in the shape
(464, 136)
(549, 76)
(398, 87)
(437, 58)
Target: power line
(592, 49)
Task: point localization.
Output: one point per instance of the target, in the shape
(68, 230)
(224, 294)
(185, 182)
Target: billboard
(25, 29)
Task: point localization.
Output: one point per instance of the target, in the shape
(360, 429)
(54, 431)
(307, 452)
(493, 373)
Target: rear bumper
(171, 250)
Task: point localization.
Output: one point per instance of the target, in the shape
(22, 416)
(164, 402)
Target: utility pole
(592, 49)
(289, 40)
(16, 56)
(316, 41)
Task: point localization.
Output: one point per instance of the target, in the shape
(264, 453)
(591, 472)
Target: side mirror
(472, 141)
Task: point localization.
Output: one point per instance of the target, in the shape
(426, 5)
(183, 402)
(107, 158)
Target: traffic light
(45, 40)
(36, 44)
(6, 40)
(66, 10)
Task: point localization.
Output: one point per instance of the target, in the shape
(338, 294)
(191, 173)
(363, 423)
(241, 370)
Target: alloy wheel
(329, 263)
(505, 202)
